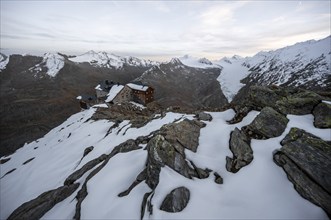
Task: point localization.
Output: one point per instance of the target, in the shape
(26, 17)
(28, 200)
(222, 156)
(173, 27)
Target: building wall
(143, 97)
(124, 95)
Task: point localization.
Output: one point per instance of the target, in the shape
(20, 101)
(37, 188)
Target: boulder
(218, 178)
(176, 200)
(299, 103)
(241, 150)
(306, 159)
(203, 116)
(322, 115)
(161, 153)
(88, 150)
(184, 134)
(269, 123)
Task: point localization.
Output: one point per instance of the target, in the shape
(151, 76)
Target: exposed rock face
(284, 100)
(306, 159)
(37, 207)
(184, 134)
(269, 123)
(176, 200)
(218, 178)
(241, 149)
(203, 116)
(322, 115)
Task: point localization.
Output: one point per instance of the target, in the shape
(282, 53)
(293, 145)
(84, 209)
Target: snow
(115, 89)
(54, 63)
(203, 63)
(138, 105)
(3, 62)
(232, 72)
(138, 87)
(260, 190)
(109, 60)
(79, 97)
(327, 102)
(100, 106)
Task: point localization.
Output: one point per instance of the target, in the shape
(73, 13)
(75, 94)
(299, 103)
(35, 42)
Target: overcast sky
(161, 29)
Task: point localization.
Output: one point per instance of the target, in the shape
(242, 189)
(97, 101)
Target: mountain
(197, 62)
(38, 93)
(304, 65)
(177, 84)
(108, 60)
(159, 164)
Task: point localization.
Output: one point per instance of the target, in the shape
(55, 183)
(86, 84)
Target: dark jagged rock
(306, 159)
(146, 202)
(10, 171)
(269, 123)
(200, 173)
(28, 161)
(284, 100)
(203, 116)
(88, 150)
(2, 161)
(322, 115)
(37, 207)
(241, 150)
(184, 134)
(176, 200)
(218, 178)
(161, 153)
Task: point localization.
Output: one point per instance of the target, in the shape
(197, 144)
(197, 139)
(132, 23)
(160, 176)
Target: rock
(88, 150)
(2, 161)
(299, 103)
(28, 161)
(306, 159)
(322, 115)
(218, 178)
(241, 149)
(141, 176)
(176, 200)
(269, 123)
(37, 207)
(203, 116)
(161, 153)
(184, 134)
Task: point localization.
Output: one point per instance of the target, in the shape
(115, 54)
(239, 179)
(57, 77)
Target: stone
(176, 200)
(218, 178)
(306, 159)
(268, 124)
(88, 150)
(241, 150)
(2, 161)
(322, 115)
(184, 134)
(39, 206)
(28, 161)
(203, 116)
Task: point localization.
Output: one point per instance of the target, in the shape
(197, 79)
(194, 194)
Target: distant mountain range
(38, 93)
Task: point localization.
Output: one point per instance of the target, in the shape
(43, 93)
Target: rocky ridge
(303, 156)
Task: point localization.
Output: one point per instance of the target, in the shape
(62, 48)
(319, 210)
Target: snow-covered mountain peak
(175, 61)
(110, 60)
(3, 61)
(191, 61)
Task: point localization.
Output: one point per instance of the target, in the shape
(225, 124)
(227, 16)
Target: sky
(160, 30)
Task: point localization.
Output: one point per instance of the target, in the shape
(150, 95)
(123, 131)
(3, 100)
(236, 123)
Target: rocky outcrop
(218, 178)
(203, 116)
(322, 115)
(306, 159)
(269, 123)
(284, 100)
(176, 200)
(37, 207)
(241, 149)
(184, 134)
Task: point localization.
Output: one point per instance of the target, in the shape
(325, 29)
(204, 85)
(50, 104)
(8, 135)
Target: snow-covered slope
(53, 62)
(305, 64)
(233, 71)
(108, 60)
(3, 61)
(259, 191)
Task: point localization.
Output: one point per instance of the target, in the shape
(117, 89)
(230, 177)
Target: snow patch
(54, 63)
(4, 60)
(115, 89)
